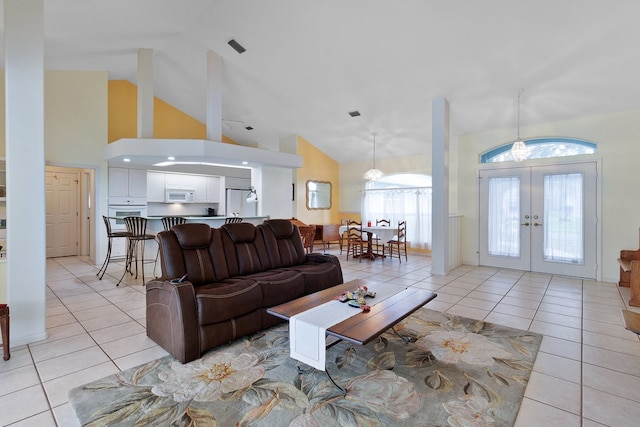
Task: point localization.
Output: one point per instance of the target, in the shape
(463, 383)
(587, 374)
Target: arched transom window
(541, 148)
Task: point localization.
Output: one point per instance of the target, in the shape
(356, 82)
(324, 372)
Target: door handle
(525, 224)
(536, 224)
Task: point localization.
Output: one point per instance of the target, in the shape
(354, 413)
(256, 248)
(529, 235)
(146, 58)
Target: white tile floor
(587, 372)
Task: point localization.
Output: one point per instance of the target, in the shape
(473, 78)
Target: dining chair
(137, 228)
(399, 241)
(4, 327)
(232, 220)
(344, 236)
(110, 236)
(308, 234)
(381, 223)
(355, 240)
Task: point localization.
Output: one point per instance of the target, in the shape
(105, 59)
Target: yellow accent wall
(316, 166)
(168, 121)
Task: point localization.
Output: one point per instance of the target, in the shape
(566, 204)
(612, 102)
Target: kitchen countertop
(217, 217)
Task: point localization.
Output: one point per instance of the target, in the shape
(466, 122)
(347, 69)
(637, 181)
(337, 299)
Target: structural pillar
(440, 186)
(145, 93)
(214, 96)
(24, 133)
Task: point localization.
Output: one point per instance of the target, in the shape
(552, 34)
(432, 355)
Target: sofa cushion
(193, 235)
(223, 301)
(318, 276)
(193, 249)
(244, 249)
(283, 242)
(279, 286)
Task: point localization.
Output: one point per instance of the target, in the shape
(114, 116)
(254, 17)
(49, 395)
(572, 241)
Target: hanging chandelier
(373, 174)
(519, 149)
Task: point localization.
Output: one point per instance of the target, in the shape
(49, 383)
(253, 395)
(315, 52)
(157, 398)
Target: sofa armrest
(318, 258)
(172, 319)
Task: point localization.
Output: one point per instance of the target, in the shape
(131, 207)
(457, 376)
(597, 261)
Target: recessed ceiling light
(171, 158)
(236, 46)
(249, 128)
(126, 159)
(354, 113)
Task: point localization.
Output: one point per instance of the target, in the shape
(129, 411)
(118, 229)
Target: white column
(440, 184)
(24, 116)
(214, 96)
(145, 93)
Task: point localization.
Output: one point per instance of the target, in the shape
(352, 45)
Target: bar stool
(110, 236)
(137, 228)
(4, 327)
(233, 220)
(167, 223)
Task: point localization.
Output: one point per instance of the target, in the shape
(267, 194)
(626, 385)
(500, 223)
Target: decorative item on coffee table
(357, 297)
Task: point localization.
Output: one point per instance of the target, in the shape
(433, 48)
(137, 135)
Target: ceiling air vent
(249, 128)
(237, 46)
(354, 113)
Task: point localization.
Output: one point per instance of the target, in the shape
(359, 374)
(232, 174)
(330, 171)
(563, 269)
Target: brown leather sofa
(232, 275)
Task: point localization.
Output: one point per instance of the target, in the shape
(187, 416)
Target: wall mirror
(318, 195)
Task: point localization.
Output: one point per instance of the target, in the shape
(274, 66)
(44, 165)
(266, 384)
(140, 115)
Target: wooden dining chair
(399, 241)
(308, 234)
(381, 223)
(355, 240)
(344, 236)
(4, 327)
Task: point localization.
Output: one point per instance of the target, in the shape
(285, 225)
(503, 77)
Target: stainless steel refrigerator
(236, 202)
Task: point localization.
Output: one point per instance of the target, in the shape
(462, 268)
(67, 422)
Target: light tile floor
(587, 372)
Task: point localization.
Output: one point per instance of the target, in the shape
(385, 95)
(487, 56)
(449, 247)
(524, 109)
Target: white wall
(616, 135)
(352, 184)
(275, 199)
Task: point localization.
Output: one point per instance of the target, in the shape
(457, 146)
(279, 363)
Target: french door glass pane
(563, 218)
(504, 216)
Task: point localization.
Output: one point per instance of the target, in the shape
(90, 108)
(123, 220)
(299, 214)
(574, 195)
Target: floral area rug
(453, 372)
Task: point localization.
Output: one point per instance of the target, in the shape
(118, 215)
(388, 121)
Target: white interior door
(540, 218)
(62, 213)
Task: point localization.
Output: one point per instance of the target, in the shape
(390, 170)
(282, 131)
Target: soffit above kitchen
(152, 152)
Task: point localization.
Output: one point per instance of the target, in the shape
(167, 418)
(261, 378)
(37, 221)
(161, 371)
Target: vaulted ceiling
(309, 63)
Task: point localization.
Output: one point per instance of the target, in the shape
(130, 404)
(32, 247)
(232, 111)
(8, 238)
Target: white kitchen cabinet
(127, 186)
(155, 186)
(213, 189)
(200, 185)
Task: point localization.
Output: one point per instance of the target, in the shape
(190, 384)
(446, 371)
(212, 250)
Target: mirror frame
(307, 191)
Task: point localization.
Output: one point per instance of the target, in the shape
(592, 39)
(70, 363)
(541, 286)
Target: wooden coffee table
(362, 327)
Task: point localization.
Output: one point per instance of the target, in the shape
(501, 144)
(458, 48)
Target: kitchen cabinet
(213, 189)
(127, 186)
(155, 186)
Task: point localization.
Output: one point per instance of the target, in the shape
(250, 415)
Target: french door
(540, 218)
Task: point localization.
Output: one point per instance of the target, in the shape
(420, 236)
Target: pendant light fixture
(373, 174)
(519, 150)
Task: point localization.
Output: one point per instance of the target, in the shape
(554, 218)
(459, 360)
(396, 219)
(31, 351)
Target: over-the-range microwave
(179, 195)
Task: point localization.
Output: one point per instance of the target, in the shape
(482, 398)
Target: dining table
(381, 232)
